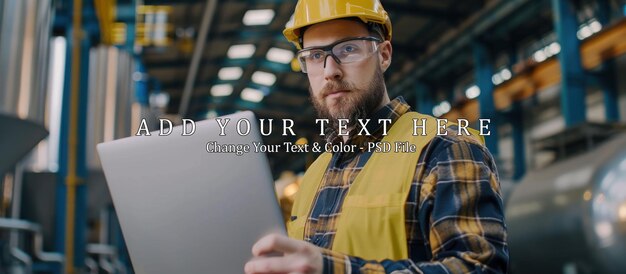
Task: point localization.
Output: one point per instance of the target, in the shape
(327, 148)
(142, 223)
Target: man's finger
(275, 265)
(275, 243)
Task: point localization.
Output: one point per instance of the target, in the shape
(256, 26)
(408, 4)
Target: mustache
(334, 86)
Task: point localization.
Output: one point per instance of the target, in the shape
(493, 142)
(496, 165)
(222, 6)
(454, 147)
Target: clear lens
(311, 58)
(353, 51)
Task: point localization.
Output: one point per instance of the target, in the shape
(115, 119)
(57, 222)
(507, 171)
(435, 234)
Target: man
(437, 210)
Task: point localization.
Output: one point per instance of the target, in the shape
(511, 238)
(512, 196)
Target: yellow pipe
(72, 179)
(105, 10)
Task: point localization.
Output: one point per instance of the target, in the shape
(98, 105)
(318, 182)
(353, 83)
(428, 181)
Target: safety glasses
(313, 59)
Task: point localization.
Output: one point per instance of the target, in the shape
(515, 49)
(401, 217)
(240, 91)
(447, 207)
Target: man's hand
(298, 257)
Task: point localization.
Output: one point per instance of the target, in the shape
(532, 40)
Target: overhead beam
(209, 11)
(605, 45)
(448, 46)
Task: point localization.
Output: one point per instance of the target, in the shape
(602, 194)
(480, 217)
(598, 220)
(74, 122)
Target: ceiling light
(472, 92)
(496, 79)
(159, 100)
(252, 95)
(263, 78)
(555, 48)
(279, 55)
(221, 90)
(539, 56)
(258, 17)
(230, 73)
(436, 111)
(506, 74)
(442, 108)
(445, 107)
(595, 26)
(211, 114)
(584, 32)
(241, 51)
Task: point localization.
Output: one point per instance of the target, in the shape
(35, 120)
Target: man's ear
(385, 50)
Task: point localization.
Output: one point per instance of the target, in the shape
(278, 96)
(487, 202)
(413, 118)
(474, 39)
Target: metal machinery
(571, 216)
(101, 100)
(90, 86)
(24, 42)
(20, 239)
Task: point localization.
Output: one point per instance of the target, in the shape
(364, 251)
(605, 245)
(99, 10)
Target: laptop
(183, 209)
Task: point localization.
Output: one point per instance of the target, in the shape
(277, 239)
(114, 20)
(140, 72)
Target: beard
(355, 104)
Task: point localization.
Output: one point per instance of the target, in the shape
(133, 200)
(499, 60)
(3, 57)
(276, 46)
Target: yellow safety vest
(372, 222)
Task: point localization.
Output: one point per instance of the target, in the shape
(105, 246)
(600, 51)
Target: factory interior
(550, 74)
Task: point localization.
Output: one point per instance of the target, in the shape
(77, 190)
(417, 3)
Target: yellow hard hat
(309, 12)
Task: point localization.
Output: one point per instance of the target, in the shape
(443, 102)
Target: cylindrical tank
(571, 216)
(24, 47)
(111, 95)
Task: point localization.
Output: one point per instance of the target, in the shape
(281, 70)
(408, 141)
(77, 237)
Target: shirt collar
(393, 110)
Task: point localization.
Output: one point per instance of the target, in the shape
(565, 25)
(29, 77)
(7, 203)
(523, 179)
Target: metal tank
(25, 28)
(111, 98)
(571, 216)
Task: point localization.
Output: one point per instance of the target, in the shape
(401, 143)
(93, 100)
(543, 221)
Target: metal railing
(37, 244)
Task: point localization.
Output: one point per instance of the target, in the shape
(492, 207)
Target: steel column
(142, 93)
(573, 103)
(423, 103)
(519, 150)
(483, 72)
(127, 13)
(607, 82)
(606, 78)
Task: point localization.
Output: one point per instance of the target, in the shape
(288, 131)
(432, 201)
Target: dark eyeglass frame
(328, 49)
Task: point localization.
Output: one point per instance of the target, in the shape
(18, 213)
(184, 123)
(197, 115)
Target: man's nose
(332, 69)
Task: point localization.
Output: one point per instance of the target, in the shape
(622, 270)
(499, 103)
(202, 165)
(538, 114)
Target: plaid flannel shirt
(454, 211)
